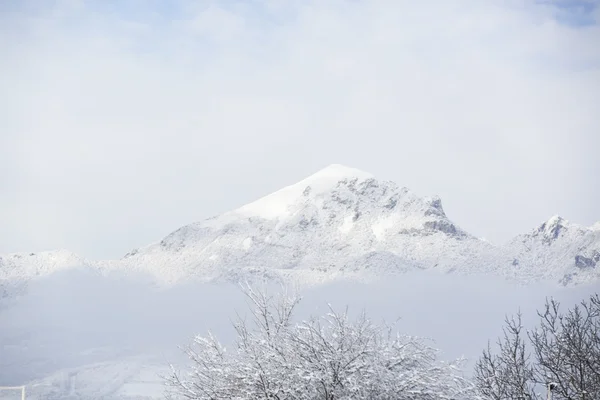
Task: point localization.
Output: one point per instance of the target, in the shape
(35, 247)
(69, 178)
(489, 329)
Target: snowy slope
(559, 249)
(340, 223)
(19, 264)
(344, 223)
(17, 268)
(129, 378)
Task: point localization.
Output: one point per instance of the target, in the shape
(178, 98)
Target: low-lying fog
(77, 317)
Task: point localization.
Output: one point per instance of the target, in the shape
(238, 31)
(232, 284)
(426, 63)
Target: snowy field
(80, 336)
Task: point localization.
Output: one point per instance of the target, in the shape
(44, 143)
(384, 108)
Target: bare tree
(329, 358)
(562, 354)
(567, 349)
(509, 374)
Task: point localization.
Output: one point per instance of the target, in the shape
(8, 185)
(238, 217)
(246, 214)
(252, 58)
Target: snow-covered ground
(73, 328)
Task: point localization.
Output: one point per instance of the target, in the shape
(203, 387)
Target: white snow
(340, 223)
(39, 263)
(380, 227)
(347, 224)
(396, 222)
(555, 219)
(276, 205)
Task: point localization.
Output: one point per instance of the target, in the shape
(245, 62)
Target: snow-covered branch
(330, 358)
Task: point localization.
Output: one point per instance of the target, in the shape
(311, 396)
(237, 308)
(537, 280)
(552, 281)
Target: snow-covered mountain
(341, 223)
(338, 222)
(17, 269)
(558, 249)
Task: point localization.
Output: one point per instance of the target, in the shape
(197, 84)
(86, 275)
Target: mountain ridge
(340, 223)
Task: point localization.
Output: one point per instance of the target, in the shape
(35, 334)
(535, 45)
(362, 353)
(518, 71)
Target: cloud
(574, 12)
(124, 120)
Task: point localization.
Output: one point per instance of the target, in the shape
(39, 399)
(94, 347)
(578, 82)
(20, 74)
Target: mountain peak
(276, 205)
(552, 229)
(338, 172)
(556, 219)
(329, 177)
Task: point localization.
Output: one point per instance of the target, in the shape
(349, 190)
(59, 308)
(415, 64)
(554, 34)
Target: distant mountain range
(340, 223)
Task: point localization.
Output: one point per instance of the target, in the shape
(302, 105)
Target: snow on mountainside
(20, 264)
(338, 222)
(560, 249)
(342, 223)
(18, 268)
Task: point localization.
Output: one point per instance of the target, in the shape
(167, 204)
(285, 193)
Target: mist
(75, 318)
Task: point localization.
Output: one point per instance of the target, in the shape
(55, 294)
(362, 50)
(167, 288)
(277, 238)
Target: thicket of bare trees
(327, 358)
(334, 357)
(562, 354)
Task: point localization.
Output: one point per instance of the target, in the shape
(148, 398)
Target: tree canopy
(330, 357)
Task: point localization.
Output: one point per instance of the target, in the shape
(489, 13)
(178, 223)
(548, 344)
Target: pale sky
(119, 124)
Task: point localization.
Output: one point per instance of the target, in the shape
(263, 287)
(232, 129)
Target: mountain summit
(339, 221)
(276, 204)
(344, 223)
